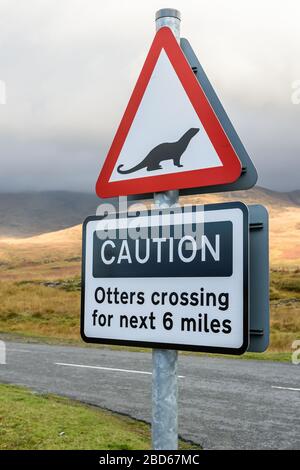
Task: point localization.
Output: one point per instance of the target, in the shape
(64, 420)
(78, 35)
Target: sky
(69, 67)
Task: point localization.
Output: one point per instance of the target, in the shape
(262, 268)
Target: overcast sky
(70, 66)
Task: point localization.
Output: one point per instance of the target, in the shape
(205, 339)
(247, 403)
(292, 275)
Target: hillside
(33, 213)
(57, 254)
(40, 274)
(257, 195)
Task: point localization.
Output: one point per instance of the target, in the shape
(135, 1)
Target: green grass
(36, 421)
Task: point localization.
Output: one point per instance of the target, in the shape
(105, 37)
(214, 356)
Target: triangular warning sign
(169, 136)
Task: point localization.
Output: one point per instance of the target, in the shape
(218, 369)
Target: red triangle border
(228, 173)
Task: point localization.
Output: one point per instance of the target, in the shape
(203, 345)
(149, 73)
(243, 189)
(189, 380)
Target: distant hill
(257, 195)
(41, 232)
(33, 213)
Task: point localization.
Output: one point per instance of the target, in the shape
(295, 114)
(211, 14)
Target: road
(223, 403)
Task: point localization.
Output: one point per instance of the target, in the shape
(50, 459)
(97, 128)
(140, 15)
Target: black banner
(207, 252)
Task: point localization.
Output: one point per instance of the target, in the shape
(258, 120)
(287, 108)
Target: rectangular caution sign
(175, 279)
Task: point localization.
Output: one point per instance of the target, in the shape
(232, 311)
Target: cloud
(70, 65)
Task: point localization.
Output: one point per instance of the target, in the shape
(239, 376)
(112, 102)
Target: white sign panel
(163, 86)
(168, 279)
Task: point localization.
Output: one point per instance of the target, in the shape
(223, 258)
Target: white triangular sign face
(169, 136)
(165, 115)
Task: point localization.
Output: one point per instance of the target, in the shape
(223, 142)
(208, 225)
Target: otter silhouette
(166, 151)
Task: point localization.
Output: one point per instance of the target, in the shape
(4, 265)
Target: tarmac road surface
(223, 403)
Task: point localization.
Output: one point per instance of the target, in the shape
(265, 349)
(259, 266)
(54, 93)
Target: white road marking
(112, 369)
(286, 388)
(20, 350)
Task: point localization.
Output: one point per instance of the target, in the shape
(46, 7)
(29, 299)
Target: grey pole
(164, 362)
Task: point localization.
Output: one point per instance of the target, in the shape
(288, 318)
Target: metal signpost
(164, 362)
(175, 278)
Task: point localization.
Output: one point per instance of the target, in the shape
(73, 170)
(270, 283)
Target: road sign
(170, 136)
(175, 279)
(248, 176)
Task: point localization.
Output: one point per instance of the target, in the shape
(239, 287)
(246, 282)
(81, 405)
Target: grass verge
(36, 421)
